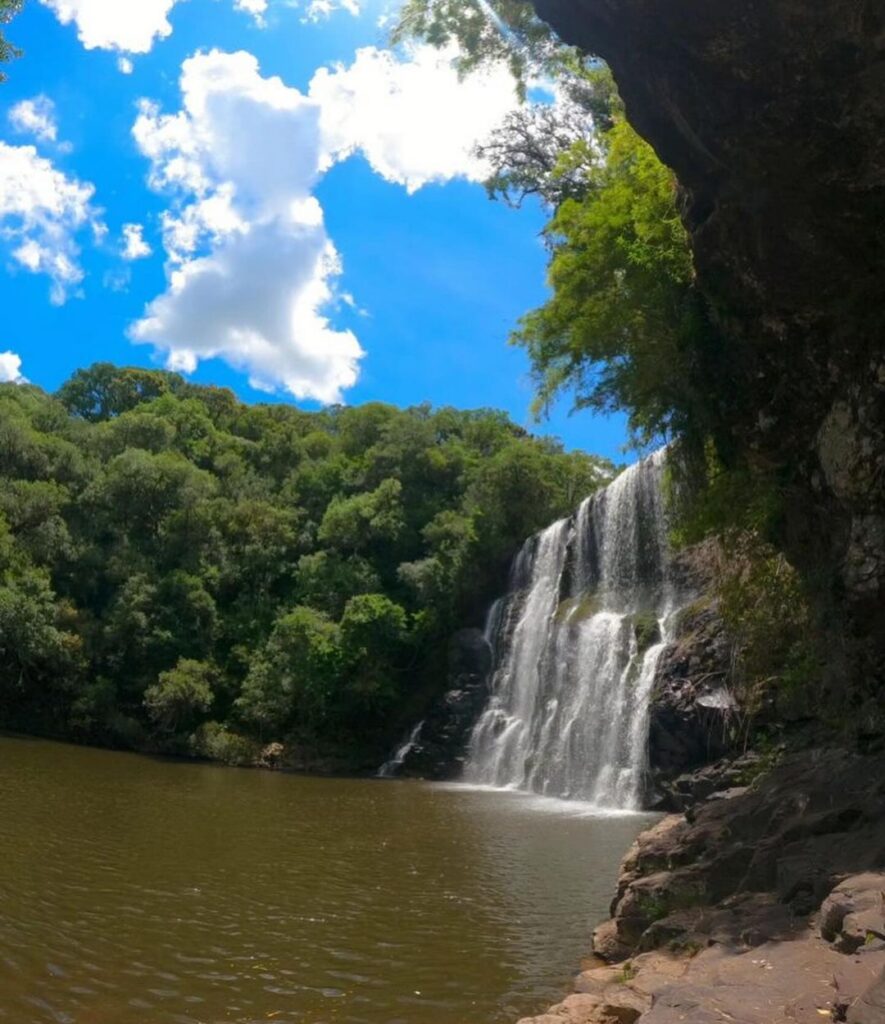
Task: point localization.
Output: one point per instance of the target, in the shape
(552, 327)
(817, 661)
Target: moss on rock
(578, 609)
(647, 630)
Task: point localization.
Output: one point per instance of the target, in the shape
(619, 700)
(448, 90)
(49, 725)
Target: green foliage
(356, 523)
(623, 322)
(707, 498)
(647, 631)
(483, 31)
(760, 597)
(103, 390)
(216, 742)
(553, 150)
(577, 609)
(8, 10)
(627, 973)
(181, 695)
(766, 612)
(293, 679)
(167, 553)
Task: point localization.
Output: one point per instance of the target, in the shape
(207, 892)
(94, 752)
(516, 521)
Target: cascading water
(390, 769)
(576, 643)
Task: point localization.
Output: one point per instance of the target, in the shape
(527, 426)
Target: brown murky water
(137, 891)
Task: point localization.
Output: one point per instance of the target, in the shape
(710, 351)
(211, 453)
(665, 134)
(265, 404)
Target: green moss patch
(578, 609)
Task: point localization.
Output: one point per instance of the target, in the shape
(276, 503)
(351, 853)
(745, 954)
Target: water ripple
(135, 889)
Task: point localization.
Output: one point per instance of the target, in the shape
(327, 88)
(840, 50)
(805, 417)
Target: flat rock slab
(870, 1008)
(797, 982)
(801, 981)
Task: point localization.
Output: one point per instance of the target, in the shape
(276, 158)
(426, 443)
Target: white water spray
(576, 645)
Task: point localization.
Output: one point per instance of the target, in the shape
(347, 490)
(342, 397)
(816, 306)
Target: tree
(624, 323)
(373, 632)
(181, 696)
(103, 390)
(36, 656)
(158, 539)
(353, 524)
(326, 580)
(625, 329)
(139, 489)
(293, 679)
(550, 149)
(484, 31)
(8, 10)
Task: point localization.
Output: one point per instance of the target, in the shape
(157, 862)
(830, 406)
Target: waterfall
(576, 642)
(390, 769)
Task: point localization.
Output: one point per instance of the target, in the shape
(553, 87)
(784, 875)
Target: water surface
(138, 891)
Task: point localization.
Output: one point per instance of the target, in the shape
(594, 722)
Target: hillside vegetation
(182, 572)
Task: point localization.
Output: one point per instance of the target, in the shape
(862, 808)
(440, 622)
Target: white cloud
(11, 368)
(35, 117)
(318, 9)
(415, 120)
(257, 8)
(125, 66)
(134, 245)
(132, 26)
(41, 212)
(251, 268)
(115, 24)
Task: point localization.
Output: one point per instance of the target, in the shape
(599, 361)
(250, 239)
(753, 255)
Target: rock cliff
(759, 905)
(772, 115)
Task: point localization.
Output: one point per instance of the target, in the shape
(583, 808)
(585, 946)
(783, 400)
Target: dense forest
(183, 572)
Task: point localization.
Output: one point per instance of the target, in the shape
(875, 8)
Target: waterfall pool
(138, 890)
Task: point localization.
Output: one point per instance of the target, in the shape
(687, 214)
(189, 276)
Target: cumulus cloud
(41, 212)
(251, 268)
(125, 66)
(415, 119)
(11, 368)
(114, 24)
(251, 271)
(35, 117)
(134, 247)
(257, 8)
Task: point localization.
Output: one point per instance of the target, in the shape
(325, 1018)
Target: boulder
(852, 915)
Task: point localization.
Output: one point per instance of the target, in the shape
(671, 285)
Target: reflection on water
(136, 891)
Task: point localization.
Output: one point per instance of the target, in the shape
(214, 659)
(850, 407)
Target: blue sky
(180, 184)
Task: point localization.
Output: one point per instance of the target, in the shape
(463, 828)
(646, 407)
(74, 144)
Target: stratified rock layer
(772, 115)
(763, 904)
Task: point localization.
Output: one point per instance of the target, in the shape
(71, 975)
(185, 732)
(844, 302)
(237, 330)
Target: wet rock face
(692, 709)
(693, 713)
(772, 115)
(442, 743)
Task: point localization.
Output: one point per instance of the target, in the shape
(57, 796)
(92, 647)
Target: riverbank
(760, 904)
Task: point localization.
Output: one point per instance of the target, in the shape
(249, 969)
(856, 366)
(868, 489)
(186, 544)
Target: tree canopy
(182, 572)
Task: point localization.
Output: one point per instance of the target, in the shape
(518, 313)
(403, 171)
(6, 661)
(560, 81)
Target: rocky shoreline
(758, 904)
